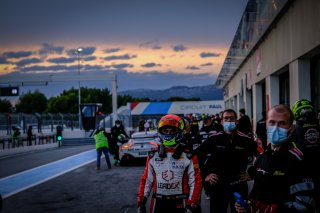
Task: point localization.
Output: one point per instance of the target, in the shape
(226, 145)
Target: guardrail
(77, 141)
(10, 142)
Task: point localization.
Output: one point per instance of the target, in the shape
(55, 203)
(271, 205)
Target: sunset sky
(153, 44)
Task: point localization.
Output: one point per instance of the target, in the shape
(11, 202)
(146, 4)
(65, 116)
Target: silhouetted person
(117, 130)
(261, 130)
(242, 112)
(29, 135)
(244, 125)
(141, 126)
(16, 136)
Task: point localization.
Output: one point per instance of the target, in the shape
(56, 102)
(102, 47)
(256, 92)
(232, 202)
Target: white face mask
(117, 125)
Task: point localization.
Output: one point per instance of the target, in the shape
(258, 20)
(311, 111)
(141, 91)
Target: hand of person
(212, 178)
(142, 206)
(244, 176)
(190, 208)
(142, 209)
(239, 208)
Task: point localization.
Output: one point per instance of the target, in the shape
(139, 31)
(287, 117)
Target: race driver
(171, 172)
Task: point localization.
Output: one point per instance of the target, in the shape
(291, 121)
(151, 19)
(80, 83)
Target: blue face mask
(277, 135)
(229, 126)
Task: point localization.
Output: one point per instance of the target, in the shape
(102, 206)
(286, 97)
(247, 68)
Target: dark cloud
(28, 61)
(3, 60)
(148, 65)
(65, 68)
(207, 64)
(47, 49)
(119, 57)
(46, 68)
(90, 68)
(85, 51)
(19, 54)
(156, 79)
(179, 48)
(192, 68)
(122, 66)
(120, 72)
(151, 45)
(112, 50)
(89, 58)
(208, 54)
(62, 60)
(156, 47)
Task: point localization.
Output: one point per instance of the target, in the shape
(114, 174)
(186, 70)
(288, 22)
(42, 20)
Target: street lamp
(78, 51)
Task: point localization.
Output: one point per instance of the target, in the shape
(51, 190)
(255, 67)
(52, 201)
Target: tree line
(67, 101)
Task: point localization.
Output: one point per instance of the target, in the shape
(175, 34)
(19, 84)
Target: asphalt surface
(81, 190)
(18, 162)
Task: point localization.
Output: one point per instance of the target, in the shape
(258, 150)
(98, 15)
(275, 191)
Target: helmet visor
(168, 122)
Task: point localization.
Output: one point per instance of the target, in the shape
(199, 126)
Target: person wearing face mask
(280, 183)
(225, 156)
(117, 130)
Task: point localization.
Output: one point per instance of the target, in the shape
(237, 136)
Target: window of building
(315, 79)
(284, 88)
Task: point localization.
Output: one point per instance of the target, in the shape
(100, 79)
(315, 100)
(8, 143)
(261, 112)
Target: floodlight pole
(78, 51)
(114, 99)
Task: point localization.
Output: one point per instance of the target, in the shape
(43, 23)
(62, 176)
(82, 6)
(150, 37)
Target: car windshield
(144, 135)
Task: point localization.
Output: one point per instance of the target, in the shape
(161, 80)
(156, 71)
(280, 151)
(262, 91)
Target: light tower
(78, 51)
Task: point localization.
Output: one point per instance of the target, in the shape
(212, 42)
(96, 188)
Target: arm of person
(303, 197)
(302, 189)
(207, 171)
(146, 184)
(195, 183)
(124, 132)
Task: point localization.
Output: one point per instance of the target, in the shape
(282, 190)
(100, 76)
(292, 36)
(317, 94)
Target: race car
(138, 146)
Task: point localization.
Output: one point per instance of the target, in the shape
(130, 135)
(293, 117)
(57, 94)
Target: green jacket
(101, 140)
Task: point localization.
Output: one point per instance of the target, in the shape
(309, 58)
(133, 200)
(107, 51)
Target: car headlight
(126, 146)
(154, 144)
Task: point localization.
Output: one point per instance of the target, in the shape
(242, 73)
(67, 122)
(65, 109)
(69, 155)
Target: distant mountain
(208, 92)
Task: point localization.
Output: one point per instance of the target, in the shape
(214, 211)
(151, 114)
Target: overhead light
(79, 50)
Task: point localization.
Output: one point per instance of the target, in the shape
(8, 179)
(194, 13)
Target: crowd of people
(225, 153)
(221, 154)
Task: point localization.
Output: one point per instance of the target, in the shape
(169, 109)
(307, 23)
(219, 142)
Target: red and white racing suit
(175, 182)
